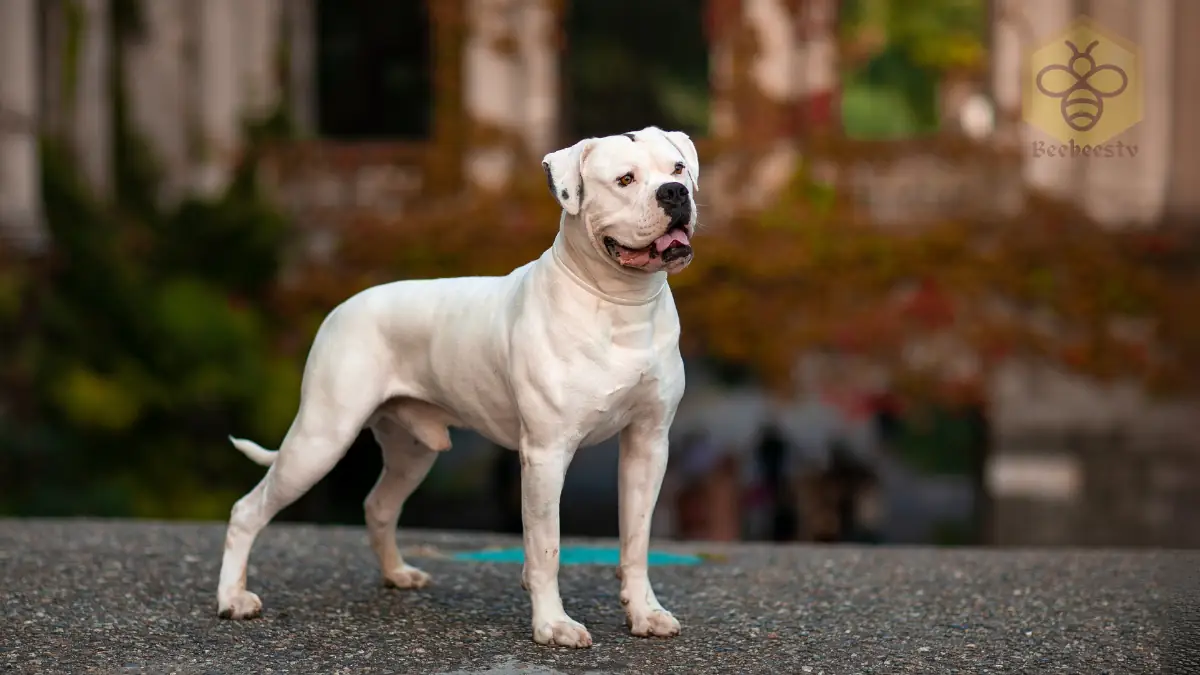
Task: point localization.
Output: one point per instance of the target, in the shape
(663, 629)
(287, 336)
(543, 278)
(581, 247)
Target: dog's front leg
(543, 469)
(642, 466)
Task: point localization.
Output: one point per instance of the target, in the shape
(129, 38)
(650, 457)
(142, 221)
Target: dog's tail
(257, 454)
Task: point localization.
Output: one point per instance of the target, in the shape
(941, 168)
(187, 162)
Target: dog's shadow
(467, 596)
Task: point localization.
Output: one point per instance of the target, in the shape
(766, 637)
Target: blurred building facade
(200, 70)
(1071, 461)
(195, 73)
(1160, 184)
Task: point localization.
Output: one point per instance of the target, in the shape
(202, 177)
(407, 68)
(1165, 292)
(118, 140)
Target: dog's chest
(624, 387)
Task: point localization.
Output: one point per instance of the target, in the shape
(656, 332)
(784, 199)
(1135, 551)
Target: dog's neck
(587, 263)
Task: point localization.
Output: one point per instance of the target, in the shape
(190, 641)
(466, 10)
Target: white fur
(561, 353)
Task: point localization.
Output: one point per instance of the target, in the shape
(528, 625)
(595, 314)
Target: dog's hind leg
(406, 462)
(334, 407)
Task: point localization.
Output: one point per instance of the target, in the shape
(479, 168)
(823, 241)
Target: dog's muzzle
(669, 248)
(673, 198)
(675, 244)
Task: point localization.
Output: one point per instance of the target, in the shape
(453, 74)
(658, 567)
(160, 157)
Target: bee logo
(1082, 90)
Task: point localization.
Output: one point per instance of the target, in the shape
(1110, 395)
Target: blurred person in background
(773, 459)
(703, 485)
(838, 502)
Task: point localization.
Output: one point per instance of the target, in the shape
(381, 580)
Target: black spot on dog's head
(564, 194)
(550, 179)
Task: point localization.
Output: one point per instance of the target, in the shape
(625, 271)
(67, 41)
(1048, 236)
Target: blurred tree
(143, 345)
(941, 35)
(901, 53)
(142, 337)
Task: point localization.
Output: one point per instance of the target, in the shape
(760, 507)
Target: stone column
(817, 62)
(76, 98)
(158, 82)
(774, 81)
(538, 37)
(195, 75)
(722, 24)
(20, 172)
(300, 33)
(510, 94)
(492, 92)
(258, 28)
(1131, 191)
(1056, 176)
(91, 130)
(1153, 135)
(217, 101)
(1183, 191)
(757, 70)
(774, 67)
(1011, 37)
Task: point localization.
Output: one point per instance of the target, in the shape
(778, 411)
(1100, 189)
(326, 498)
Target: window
(620, 75)
(374, 69)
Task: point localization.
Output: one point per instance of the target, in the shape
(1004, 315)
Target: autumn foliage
(809, 273)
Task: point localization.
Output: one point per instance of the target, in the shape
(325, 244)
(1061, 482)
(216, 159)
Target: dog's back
(459, 327)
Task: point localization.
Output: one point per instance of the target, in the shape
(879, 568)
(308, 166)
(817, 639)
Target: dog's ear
(683, 143)
(564, 174)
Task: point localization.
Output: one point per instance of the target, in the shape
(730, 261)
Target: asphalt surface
(124, 597)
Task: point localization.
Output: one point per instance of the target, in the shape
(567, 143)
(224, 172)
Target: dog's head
(636, 194)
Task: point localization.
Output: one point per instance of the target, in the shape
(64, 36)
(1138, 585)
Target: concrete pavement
(130, 597)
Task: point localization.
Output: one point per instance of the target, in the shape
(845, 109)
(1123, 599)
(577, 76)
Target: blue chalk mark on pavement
(576, 555)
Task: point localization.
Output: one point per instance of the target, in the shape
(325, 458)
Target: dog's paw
(406, 576)
(563, 632)
(653, 623)
(244, 605)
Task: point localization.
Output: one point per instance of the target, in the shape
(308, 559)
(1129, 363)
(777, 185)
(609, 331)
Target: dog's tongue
(671, 238)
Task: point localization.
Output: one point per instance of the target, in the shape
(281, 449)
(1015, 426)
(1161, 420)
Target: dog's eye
(626, 179)
(678, 169)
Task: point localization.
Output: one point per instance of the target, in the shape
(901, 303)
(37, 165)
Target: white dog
(563, 352)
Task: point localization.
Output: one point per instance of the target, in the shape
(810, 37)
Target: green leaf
(276, 399)
(94, 401)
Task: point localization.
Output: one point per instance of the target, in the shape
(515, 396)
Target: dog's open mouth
(674, 245)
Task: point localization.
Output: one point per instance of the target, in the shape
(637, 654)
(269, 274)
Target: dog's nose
(672, 194)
